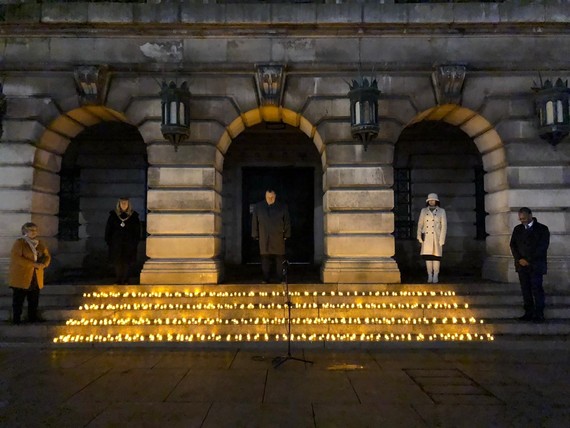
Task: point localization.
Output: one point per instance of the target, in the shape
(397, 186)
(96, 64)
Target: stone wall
(216, 48)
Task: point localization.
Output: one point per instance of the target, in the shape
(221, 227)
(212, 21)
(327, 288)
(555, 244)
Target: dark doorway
(295, 187)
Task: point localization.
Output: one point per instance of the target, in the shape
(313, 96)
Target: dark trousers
(272, 262)
(122, 270)
(532, 292)
(18, 297)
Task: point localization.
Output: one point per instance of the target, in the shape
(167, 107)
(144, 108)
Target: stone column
(358, 203)
(536, 178)
(28, 175)
(184, 214)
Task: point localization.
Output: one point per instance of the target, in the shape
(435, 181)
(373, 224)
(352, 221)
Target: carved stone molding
(92, 82)
(447, 80)
(270, 81)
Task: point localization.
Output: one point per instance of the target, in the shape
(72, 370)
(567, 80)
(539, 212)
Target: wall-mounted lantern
(92, 83)
(3, 108)
(447, 81)
(175, 101)
(364, 95)
(553, 109)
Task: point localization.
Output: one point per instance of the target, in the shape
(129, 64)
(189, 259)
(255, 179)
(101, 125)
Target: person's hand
(420, 240)
(523, 262)
(442, 243)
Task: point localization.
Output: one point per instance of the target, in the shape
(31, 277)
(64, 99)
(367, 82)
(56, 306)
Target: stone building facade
(82, 128)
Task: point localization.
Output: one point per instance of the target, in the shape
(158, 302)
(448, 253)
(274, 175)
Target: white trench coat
(432, 229)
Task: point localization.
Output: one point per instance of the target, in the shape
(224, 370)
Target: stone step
(46, 332)
(320, 312)
(478, 312)
(463, 288)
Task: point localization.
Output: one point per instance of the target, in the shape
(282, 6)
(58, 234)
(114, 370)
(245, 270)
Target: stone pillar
(28, 175)
(536, 178)
(358, 203)
(184, 215)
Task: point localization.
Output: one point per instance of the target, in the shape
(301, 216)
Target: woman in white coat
(432, 229)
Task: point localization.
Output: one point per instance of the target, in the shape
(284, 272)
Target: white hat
(432, 197)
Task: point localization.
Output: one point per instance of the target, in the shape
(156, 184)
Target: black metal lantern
(364, 96)
(553, 110)
(175, 112)
(3, 108)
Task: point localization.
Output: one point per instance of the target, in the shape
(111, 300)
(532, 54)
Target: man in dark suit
(529, 245)
(271, 225)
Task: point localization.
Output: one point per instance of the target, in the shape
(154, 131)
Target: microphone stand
(277, 361)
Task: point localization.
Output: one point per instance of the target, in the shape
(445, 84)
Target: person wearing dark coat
(122, 235)
(529, 245)
(271, 225)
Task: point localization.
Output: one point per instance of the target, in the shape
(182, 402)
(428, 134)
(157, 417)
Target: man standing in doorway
(271, 225)
(529, 245)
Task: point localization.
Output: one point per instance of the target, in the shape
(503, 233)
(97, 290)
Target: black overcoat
(271, 225)
(531, 245)
(123, 241)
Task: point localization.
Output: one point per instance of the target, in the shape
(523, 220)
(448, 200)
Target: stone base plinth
(182, 272)
(500, 269)
(4, 269)
(360, 271)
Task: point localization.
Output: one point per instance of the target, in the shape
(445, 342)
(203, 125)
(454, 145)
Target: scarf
(33, 243)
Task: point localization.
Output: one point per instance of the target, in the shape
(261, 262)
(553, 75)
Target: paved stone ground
(159, 387)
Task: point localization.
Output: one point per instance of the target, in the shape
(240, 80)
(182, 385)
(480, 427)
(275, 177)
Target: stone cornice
(278, 20)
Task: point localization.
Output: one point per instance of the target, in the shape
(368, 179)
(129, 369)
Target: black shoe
(264, 282)
(526, 317)
(538, 319)
(16, 322)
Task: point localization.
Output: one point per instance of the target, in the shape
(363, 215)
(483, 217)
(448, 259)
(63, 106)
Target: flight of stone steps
(321, 314)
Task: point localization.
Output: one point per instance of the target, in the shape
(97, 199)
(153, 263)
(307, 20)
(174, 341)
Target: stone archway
(272, 145)
(49, 153)
(494, 161)
(357, 248)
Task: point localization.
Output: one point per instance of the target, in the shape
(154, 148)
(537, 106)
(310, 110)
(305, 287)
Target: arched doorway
(488, 202)
(433, 156)
(102, 163)
(280, 156)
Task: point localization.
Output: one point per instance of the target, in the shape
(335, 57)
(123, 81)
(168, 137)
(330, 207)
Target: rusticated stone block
(190, 154)
(183, 247)
(46, 181)
(495, 159)
(355, 246)
(11, 223)
(185, 177)
(184, 224)
(336, 177)
(17, 176)
(338, 200)
(496, 180)
(365, 271)
(43, 203)
(353, 223)
(64, 13)
(15, 200)
(351, 152)
(538, 175)
(16, 153)
(184, 200)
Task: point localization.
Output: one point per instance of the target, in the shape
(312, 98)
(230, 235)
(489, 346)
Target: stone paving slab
(469, 387)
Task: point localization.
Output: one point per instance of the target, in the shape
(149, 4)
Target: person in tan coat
(29, 258)
(432, 230)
